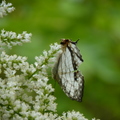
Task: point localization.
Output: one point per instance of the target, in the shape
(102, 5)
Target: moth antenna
(77, 41)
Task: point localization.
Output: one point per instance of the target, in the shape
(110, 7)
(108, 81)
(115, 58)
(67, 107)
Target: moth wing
(63, 66)
(75, 52)
(71, 81)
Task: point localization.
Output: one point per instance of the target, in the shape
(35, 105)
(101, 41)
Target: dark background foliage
(97, 24)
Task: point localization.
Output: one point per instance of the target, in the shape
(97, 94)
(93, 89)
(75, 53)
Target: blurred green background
(97, 24)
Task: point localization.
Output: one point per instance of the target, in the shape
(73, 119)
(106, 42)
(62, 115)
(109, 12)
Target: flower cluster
(9, 38)
(73, 116)
(46, 61)
(24, 89)
(5, 8)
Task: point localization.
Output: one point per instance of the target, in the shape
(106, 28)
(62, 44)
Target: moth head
(65, 42)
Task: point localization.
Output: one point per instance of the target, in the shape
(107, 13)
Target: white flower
(9, 38)
(5, 8)
(45, 61)
(73, 116)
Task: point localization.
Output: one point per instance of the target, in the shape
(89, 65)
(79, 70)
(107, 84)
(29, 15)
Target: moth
(65, 70)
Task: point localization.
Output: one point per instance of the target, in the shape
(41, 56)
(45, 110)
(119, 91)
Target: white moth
(66, 72)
